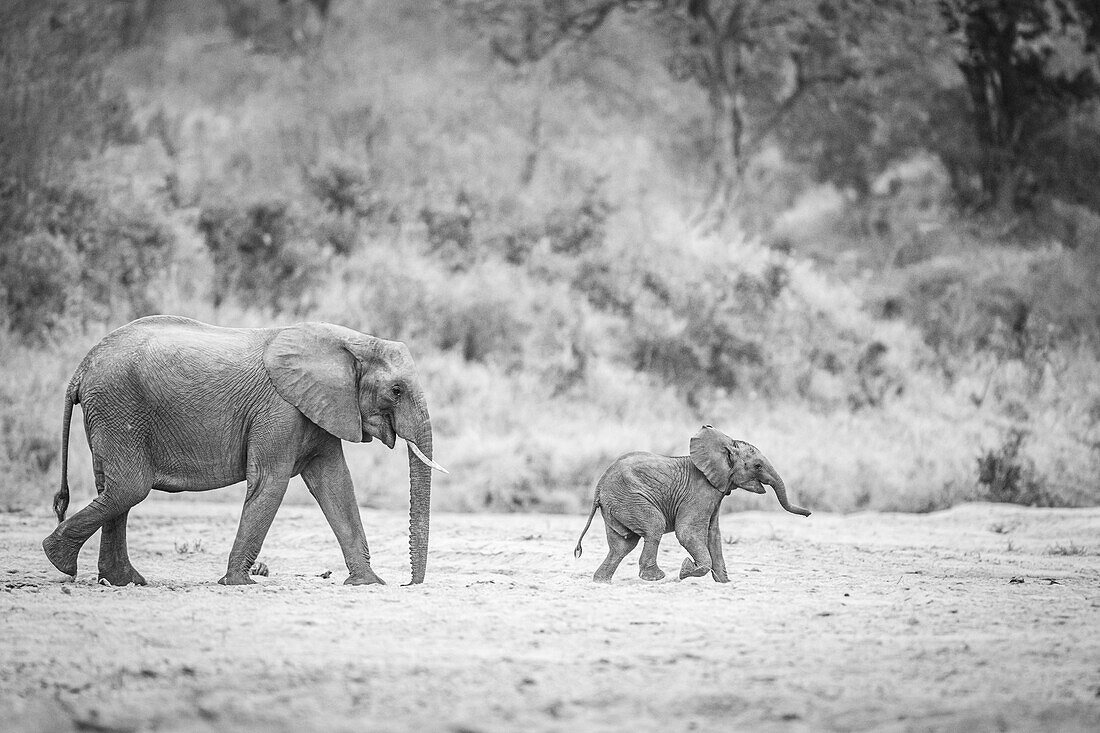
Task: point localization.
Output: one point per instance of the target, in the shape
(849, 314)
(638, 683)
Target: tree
(1032, 79)
(57, 105)
(757, 60)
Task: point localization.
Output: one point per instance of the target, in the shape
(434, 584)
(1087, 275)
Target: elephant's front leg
(266, 487)
(714, 544)
(330, 483)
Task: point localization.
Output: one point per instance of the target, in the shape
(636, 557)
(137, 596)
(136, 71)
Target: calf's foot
(651, 573)
(688, 569)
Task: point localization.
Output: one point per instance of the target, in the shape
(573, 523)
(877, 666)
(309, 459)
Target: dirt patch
(983, 617)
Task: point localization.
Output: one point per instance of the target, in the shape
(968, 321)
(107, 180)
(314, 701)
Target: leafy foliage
(1030, 67)
(260, 254)
(37, 276)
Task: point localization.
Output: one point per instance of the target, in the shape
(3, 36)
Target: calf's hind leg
(647, 563)
(618, 547)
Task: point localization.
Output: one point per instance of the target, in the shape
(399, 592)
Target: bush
(81, 250)
(38, 274)
(450, 231)
(710, 331)
(565, 230)
(1007, 476)
(260, 255)
(122, 252)
(344, 189)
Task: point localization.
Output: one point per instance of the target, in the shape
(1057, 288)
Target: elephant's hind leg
(647, 563)
(121, 485)
(114, 560)
(618, 547)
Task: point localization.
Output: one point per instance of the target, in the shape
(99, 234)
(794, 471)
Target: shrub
(708, 332)
(38, 273)
(1007, 476)
(571, 230)
(260, 255)
(122, 252)
(450, 231)
(81, 249)
(345, 189)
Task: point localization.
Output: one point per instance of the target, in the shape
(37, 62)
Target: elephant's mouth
(754, 486)
(381, 427)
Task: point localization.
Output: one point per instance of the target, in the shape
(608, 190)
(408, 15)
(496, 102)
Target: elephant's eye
(395, 390)
(759, 465)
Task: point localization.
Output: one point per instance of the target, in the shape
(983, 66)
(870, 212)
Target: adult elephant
(177, 405)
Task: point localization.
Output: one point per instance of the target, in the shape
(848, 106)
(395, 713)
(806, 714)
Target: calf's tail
(595, 505)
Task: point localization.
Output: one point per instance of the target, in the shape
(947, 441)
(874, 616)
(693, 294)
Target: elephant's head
(732, 464)
(358, 387)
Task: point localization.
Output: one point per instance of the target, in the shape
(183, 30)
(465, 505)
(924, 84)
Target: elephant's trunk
(420, 486)
(781, 494)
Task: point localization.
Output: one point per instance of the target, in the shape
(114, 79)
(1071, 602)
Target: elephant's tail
(578, 550)
(61, 498)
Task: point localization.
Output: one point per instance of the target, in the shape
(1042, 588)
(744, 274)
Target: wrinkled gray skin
(644, 496)
(177, 405)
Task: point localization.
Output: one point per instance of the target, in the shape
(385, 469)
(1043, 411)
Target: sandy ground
(983, 617)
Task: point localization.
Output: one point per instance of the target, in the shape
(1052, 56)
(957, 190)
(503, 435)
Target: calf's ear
(710, 455)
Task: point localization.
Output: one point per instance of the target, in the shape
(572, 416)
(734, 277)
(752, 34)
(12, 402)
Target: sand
(979, 618)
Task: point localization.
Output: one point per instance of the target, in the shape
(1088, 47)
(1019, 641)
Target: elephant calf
(643, 495)
(177, 405)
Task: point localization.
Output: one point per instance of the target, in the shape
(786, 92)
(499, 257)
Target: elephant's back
(634, 472)
(164, 351)
(179, 341)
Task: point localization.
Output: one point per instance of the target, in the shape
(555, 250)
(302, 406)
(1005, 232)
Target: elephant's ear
(709, 454)
(313, 370)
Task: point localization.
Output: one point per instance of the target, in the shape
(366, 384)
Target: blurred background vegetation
(863, 235)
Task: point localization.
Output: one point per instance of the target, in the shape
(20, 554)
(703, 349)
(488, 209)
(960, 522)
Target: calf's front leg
(714, 544)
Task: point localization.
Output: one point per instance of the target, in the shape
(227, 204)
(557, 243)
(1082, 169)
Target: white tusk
(427, 461)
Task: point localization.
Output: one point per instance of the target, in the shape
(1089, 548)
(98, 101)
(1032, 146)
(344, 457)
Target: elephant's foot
(719, 577)
(605, 579)
(688, 569)
(366, 577)
(236, 577)
(259, 568)
(652, 573)
(61, 553)
(121, 575)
